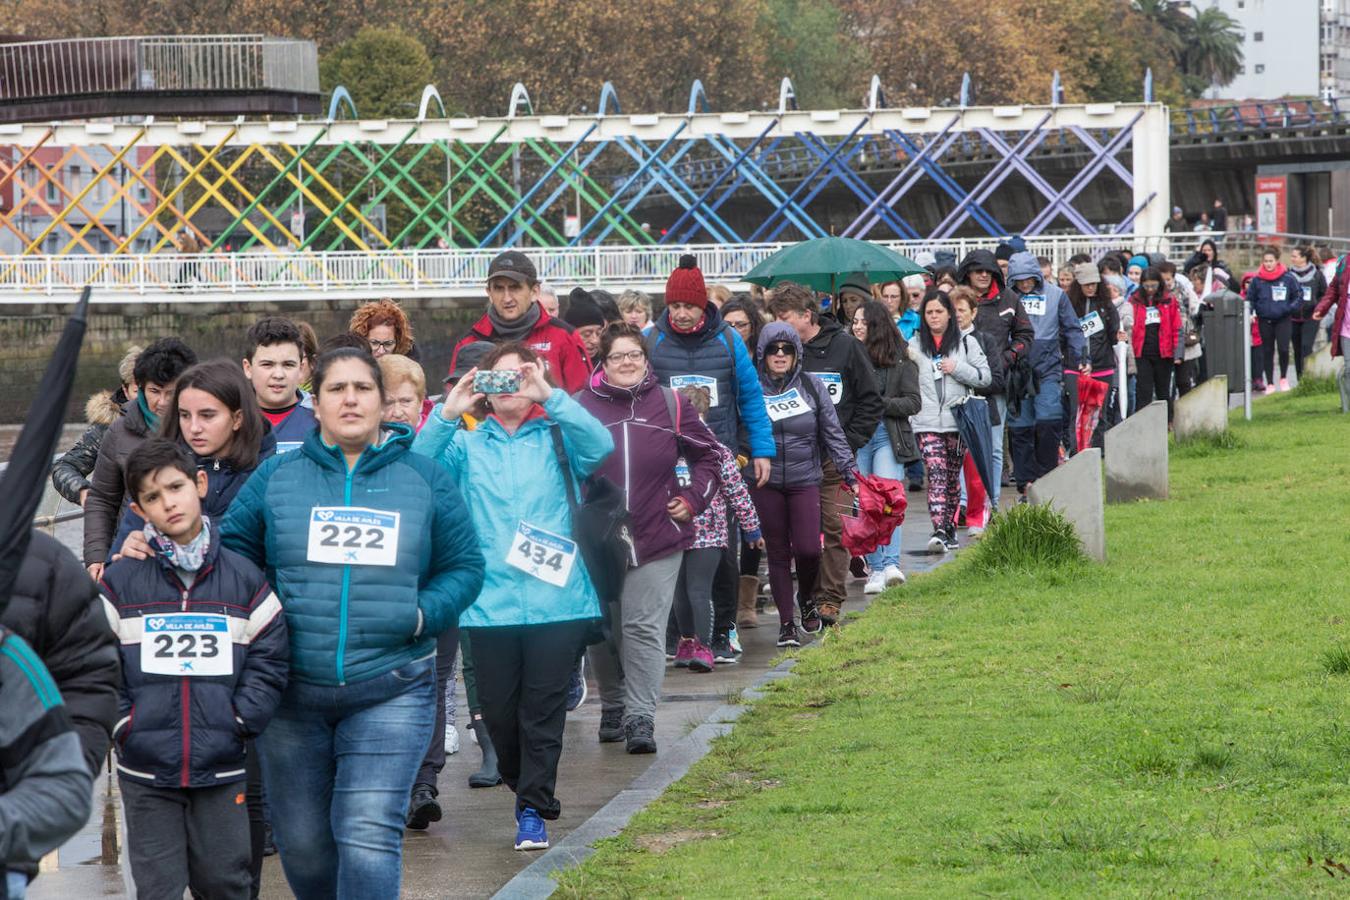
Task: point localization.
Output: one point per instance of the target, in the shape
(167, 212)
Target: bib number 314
(542, 554)
(353, 536)
(187, 644)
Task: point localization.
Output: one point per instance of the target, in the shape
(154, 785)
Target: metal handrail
(125, 278)
(177, 63)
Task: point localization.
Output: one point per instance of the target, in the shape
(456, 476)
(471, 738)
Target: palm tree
(1213, 49)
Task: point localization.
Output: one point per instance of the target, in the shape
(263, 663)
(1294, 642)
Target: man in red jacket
(515, 314)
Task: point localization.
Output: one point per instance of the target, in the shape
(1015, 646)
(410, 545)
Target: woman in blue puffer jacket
(529, 625)
(805, 431)
(1275, 295)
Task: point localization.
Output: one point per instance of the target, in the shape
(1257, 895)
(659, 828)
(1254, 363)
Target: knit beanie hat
(1140, 260)
(582, 310)
(1004, 252)
(1086, 273)
(857, 285)
(685, 284)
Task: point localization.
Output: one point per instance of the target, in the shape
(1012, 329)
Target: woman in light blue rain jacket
(529, 625)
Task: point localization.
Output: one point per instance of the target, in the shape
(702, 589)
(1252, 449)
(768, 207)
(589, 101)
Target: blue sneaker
(530, 831)
(576, 687)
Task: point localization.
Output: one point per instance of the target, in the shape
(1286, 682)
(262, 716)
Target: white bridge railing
(461, 273)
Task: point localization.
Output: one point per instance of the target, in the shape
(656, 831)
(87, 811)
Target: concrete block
(1323, 365)
(1204, 410)
(1075, 489)
(1136, 456)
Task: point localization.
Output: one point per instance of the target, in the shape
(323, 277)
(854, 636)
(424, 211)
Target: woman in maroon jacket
(1335, 295)
(1155, 340)
(665, 461)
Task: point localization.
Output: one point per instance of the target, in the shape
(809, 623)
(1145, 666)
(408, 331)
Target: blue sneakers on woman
(530, 831)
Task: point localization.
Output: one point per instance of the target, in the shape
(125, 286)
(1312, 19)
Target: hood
(1024, 265)
(779, 331)
(980, 261)
(102, 409)
(1272, 276)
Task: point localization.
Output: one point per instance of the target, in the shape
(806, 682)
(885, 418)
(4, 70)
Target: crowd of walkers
(294, 549)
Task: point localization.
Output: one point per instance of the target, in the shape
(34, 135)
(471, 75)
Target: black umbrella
(26, 477)
(972, 421)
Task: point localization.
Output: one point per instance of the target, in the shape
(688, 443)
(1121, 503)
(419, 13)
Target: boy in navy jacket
(205, 652)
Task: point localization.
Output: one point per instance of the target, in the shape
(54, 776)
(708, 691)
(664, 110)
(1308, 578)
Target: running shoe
(721, 650)
(422, 808)
(684, 652)
(700, 658)
(734, 639)
(876, 583)
(787, 635)
(530, 831)
(949, 540)
(857, 567)
(576, 688)
(892, 576)
(451, 739)
(640, 732)
(811, 623)
(1270, 389)
(1284, 384)
(935, 543)
(611, 726)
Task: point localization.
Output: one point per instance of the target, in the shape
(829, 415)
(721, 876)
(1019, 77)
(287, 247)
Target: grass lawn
(1176, 721)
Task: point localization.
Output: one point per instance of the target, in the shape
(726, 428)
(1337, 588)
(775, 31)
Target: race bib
(703, 381)
(542, 554)
(1034, 304)
(1279, 293)
(834, 385)
(1091, 324)
(187, 644)
(1152, 316)
(786, 405)
(1307, 294)
(682, 476)
(937, 368)
(288, 446)
(353, 536)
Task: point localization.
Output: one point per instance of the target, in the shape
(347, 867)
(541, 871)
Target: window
(1260, 69)
(51, 191)
(1258, 36)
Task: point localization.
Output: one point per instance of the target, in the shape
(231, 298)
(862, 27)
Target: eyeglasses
(386, 346)
(631, 356)
(740, 326)
(780, 349)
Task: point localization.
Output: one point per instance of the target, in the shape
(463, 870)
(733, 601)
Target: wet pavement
(469, 853)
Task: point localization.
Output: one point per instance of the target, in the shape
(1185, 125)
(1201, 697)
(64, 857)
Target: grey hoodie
(805, 426)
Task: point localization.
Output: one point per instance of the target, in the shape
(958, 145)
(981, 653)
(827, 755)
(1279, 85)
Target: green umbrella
(824, 263)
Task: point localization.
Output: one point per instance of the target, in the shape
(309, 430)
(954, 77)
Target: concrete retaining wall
(29, 334)
(1075, 489)
(1203, 410)
(1136, 456)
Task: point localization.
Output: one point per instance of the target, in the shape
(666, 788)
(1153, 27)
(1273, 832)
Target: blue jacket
(189, 731)
(1264, 294)
(1051, 321)
(352, 622)
(716, 351)
(293, 429)
(513, 479)
(908, 323)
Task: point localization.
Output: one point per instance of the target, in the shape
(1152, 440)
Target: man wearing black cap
(588, 319)
(515, 314)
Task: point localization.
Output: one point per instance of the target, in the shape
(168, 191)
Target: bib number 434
(542, 554)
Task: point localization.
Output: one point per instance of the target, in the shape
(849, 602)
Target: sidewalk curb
(536, 882)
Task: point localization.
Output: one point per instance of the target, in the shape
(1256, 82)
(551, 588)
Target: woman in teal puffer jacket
(529, 625)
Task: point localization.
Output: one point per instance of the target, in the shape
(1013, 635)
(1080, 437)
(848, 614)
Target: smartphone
(497, 381)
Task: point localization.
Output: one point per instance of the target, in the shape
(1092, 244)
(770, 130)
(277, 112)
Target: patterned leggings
(943, 453)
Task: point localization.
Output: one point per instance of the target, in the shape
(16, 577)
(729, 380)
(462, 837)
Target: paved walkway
(469, 853)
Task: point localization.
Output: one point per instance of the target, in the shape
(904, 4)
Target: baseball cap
(514, 265)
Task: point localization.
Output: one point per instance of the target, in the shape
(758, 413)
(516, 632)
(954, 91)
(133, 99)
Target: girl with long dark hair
(1155, 338)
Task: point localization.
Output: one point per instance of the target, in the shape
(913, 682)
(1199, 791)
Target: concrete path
(469, 852)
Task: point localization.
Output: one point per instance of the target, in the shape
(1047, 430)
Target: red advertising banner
(1272, 195)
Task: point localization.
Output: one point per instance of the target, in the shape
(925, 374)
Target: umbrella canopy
(824, 263)
(881, 507)
(26, 476)
(972, 421)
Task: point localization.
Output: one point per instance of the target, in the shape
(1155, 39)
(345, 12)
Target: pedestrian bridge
(361, 275)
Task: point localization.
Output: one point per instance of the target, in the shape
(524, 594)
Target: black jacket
(998, 375)
(1005, 322)
(70, 474)
(899, 386)
(189, 731)
(980, 261)
(834, 352)
(107, 492)
(55, 608)
(1102, 345)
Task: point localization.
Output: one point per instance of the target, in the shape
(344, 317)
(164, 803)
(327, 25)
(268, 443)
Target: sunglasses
(780, 349)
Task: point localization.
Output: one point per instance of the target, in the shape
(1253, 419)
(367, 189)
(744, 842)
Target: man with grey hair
(548, 299)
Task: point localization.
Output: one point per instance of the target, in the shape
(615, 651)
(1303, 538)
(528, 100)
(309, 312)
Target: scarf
(187, 558)
(517, 330)
(151, 420)
(695, 327)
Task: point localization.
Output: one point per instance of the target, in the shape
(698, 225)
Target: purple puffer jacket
(644, 459)
(802, 441)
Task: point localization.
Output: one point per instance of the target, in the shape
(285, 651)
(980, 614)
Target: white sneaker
(893, 576)
(936, 544)
(451, 740)
(876, 583)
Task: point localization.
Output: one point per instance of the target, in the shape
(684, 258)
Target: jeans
(877, 457)
(341, 761)
(16, 885)
(996, 489)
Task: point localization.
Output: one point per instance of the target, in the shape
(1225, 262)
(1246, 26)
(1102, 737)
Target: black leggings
(1154, 382)
(1304, 333)
(1275, 333)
